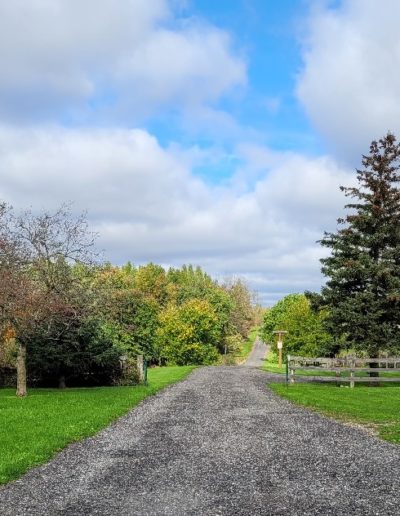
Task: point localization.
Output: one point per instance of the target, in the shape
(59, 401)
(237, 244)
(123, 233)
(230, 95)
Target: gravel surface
(218, 443)
(257, 354)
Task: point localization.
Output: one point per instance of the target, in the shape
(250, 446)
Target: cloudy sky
(201, 131)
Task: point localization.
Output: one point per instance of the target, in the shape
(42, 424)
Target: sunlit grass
(34, 428)
(378, 407)
(248, 344)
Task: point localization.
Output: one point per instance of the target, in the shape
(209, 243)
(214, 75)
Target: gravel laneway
(257, 354)
(217, 443)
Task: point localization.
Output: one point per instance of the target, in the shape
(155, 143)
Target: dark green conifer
(363, 269)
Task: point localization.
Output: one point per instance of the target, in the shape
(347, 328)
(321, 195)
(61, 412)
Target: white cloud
(129, 58)
(109, 63)
(351, 79)
(147, 204)
(116, 174)
(185, 67)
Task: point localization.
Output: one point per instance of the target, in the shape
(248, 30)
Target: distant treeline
(67, 319)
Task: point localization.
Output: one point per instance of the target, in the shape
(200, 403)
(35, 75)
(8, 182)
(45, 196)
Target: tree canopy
(67, 319)
(306, 335)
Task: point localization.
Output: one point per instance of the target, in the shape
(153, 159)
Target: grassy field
(376, 407)
(34, 428)
(271, 366)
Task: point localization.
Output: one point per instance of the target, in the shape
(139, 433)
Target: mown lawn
(34, 428)
(377, 407)
(271, 366)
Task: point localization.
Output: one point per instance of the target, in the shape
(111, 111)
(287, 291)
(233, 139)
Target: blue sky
(213, 133)
(267, 34)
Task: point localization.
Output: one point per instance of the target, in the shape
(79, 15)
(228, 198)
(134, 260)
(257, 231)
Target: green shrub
(306, 334)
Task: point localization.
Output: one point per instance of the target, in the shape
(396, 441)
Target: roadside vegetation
(271, 365)
(377, 408)
(357, 311)
(34, 428)
(67, 319)
(72, 326)
(306, 335)
(248, 344)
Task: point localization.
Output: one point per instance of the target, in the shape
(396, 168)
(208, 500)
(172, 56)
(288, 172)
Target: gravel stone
(218, 443)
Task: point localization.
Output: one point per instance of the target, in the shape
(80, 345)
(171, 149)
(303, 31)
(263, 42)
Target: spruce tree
(363, 269)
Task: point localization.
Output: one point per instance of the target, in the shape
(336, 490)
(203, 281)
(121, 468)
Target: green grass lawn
(34, 428)
(271, 366)
(377, 407)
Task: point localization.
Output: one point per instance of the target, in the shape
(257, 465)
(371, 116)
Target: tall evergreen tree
(363, 289)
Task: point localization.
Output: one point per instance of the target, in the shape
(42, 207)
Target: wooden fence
(349, 369)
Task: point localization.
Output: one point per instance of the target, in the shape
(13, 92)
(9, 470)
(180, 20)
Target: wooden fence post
(291, 370)
(140, 368)
(352, 365)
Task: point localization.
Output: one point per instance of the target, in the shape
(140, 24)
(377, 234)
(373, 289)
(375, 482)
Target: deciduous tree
(188, 333)
(36, 253)
(306, 333)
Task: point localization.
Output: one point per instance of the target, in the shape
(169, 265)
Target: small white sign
(280, 344)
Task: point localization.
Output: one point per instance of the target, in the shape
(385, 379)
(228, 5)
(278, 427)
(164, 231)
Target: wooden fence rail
(349, 369)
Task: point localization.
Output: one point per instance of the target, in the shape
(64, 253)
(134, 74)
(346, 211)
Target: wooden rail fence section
(349, 369)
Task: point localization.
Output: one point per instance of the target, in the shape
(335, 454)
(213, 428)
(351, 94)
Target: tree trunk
(373, 365)
(21, 370)
(373, 374)
(61, 382)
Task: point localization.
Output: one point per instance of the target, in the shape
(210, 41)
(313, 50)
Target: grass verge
(272, 366)
(248, 345)
(33, 429)
(375, 407)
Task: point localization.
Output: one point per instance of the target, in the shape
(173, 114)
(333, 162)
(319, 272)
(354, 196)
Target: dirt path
(257, 354)
(218, 443)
